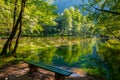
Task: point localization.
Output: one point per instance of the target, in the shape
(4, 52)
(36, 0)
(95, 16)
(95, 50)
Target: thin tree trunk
(14, 20)
(20, 29)
(6, 45)
(14, 17)
(17, 40)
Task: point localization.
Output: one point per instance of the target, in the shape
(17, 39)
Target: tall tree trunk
(14, 20)
(17, 40)
(6, 45)
(20, 28)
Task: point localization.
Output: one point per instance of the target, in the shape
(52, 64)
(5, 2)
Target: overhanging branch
(117, 13)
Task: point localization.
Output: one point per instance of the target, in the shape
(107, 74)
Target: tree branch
(107, 11)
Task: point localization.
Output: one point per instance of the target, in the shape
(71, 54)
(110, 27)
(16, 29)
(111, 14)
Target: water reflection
(110, 54)
(46, 55)
(94, 56)
(43, 55)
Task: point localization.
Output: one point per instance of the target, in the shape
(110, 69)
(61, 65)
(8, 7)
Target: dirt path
(20, 72)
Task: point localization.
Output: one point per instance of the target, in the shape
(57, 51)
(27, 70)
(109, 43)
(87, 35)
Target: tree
(67, 22)
(105, 14)
(37, 15)
(17, 26)
(5, 18)
(86, 29)
(71, 21)
(77, 20)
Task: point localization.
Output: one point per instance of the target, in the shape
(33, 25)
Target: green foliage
(106, 16)
(5, 17)
(40, 18)
(37, 15)
(70, 21)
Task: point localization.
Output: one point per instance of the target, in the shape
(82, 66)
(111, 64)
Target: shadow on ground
(20, 72)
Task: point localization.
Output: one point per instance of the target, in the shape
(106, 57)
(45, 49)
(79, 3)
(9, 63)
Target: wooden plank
(50, 68)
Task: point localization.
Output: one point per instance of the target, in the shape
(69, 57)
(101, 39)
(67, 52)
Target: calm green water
(94, 56)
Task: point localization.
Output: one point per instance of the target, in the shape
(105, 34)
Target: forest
(67, 31)
(41, 18)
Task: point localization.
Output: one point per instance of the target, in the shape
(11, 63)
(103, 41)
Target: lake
(99, 57)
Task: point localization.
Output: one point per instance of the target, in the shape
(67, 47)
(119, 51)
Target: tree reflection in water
(96, 57)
